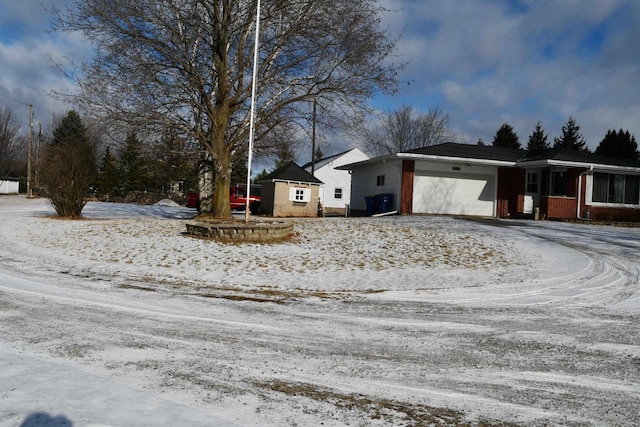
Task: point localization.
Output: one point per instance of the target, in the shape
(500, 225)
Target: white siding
(364, 183)
(9, 187)
(332, 178)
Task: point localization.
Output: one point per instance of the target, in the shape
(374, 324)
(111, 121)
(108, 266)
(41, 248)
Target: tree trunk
(222, 172)
(205, 184)
(221, 186)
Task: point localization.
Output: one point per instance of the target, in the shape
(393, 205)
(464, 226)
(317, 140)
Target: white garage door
(453, 194)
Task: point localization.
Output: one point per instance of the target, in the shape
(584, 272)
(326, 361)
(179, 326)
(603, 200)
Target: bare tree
(406, 129)
(187, 64)
(11, 142)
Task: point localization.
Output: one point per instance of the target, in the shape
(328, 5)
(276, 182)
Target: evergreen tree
(171, 163)
(506, 137)
(69, 167)
(108, 174)
(284, 154)
(133, 169)
(261, 175)
(620, 144)
(239, 171)
(571, 137)
(480, 142)
(537, 140)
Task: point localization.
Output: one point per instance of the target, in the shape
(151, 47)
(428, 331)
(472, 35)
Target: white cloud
(485, 62)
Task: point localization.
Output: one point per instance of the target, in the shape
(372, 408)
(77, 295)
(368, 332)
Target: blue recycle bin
(385, 202)
(371, 206)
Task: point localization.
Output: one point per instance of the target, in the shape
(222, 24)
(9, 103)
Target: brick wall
(613, 214)
(510, 191)
(558, 207)
(406, 189)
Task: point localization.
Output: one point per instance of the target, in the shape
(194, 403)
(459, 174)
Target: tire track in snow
(80, 296)
(604, 279)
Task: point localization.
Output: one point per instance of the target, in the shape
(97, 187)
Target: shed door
(453, 194)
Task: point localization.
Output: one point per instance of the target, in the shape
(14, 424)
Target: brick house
(463, 179)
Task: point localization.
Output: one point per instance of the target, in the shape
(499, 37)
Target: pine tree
(620, 144)
(239, 171)
(108, 174)
(170, 163)
(571, 137)
(537, 140)
(284, 154)
(132, 165)
(506, 137)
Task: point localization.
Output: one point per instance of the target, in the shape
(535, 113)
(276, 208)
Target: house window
(616, 188)
(380, 180)
(299, 195)
(532, 182)
(338, 193)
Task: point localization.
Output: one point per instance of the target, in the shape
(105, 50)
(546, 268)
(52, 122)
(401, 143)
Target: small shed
(290, 191)
(9, 186)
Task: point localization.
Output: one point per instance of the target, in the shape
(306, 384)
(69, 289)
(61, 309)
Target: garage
(453, 193)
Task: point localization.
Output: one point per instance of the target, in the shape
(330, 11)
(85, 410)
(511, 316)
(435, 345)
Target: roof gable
(325, 160)
(291, 172)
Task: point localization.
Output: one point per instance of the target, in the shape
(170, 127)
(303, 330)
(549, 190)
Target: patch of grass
(391, 411)
(136, 287)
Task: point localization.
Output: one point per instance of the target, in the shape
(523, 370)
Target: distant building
(290, 191)
(9, 186)
(335, 192)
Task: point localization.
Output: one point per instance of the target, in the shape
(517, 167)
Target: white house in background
(9, 186)
(335, 193)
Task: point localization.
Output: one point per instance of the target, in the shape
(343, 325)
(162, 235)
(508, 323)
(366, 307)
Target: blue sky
(484, 62)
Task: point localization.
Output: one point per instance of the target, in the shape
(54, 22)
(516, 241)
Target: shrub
(69, 167)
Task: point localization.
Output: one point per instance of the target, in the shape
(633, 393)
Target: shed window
(616, 188)
(380, 180)
(299, 195)
(338, 193)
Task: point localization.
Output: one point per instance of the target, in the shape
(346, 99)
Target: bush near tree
(69, 167)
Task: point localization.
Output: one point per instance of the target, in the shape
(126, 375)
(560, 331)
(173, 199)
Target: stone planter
(238, 232)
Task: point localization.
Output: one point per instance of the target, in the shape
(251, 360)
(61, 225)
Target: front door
(532, 191)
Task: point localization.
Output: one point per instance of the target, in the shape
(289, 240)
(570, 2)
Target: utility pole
(37, 177)
(313, 140)
(29, 148)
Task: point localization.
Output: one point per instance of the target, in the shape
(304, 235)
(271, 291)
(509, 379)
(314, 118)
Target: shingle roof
(468, 151)
(333, 156)
(291, 172)
(569, 155)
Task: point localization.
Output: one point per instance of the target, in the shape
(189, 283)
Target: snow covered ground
(122, 320)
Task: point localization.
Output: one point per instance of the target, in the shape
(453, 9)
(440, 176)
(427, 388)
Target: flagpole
(251, 119)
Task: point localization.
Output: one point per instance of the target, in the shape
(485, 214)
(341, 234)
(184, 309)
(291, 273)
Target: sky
(483, 62)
